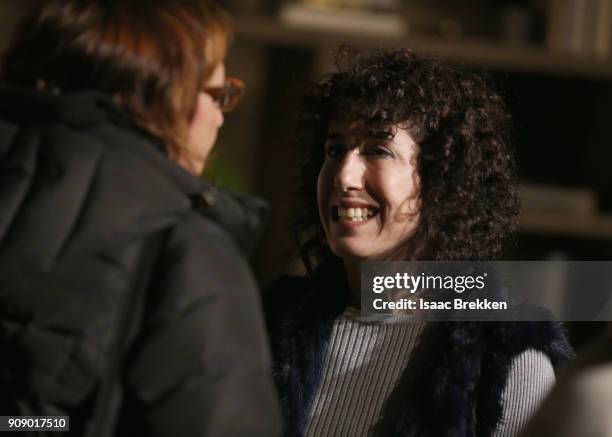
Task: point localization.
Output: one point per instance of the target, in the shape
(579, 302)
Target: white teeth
(355, 214)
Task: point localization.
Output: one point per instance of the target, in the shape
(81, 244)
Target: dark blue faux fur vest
(459, 395)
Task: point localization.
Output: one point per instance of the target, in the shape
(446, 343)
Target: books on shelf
(342, 19)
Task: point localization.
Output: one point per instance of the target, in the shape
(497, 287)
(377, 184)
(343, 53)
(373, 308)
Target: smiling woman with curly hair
(467, 191)
(404, 158)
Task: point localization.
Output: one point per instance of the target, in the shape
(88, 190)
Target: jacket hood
(239, 214)
(92, 111)
(25, 105)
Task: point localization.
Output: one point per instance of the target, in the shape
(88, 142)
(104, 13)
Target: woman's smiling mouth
(352, 214)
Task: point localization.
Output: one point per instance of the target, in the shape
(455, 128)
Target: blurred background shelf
(598, 226)
(479, 52)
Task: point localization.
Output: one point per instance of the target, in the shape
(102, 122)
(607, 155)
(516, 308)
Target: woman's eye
(379, 152)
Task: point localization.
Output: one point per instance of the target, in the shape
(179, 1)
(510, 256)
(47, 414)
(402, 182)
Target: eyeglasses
(228, 95)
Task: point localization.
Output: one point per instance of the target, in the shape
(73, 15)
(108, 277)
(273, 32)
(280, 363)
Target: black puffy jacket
(92, 209)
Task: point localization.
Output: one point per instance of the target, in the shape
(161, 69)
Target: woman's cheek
(206, 108)
(220, 118)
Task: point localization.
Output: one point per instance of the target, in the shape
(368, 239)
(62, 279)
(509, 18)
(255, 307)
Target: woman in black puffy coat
(125, 299)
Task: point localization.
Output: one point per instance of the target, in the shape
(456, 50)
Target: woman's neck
(353, 279)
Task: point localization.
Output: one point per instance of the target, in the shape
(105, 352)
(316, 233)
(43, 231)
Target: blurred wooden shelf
(479, 52)
(598, 226)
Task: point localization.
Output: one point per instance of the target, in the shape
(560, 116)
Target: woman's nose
(350, 172)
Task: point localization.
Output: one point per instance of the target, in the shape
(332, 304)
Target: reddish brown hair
(152, 56)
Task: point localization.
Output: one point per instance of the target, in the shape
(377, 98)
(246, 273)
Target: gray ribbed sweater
(365, 359)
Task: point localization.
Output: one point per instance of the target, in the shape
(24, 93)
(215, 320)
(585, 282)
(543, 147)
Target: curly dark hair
(468, 196)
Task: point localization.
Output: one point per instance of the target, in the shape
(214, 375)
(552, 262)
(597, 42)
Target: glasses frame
(227, 97)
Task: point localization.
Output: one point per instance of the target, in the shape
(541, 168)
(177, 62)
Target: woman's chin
(353, 252)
